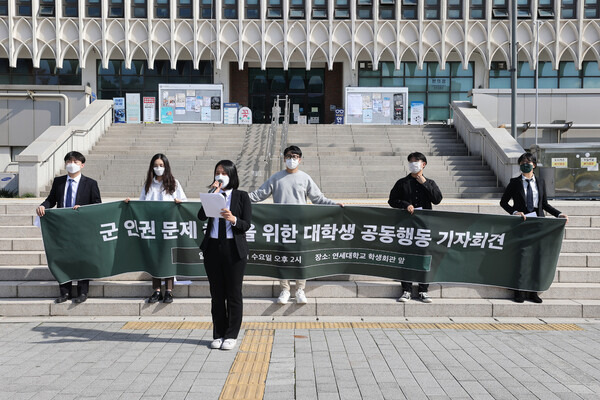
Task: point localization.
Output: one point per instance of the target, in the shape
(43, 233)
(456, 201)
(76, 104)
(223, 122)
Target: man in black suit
(72, 190)
(528, 194)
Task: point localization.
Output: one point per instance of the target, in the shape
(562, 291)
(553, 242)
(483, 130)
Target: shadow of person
(55, 334)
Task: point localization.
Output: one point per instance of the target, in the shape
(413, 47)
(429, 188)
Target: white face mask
(415, 167)
(292, 163)
(73, 168)
(159, 171)
(224, 179)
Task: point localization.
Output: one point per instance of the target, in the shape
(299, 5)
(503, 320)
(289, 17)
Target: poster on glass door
(149, 109)
(132, 104)
(119, 110)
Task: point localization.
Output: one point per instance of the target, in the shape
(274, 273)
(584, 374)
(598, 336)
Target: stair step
(22, 258)
(315, 307)
(199, 288)
(21, 244)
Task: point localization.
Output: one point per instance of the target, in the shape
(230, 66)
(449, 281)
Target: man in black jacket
(415, 192)
(528, 194)
(71, 191)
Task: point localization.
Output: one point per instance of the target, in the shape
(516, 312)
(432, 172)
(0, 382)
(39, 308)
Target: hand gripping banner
(308, 241)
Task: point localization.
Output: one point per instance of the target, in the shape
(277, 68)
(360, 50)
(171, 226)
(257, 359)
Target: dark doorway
(305, 90)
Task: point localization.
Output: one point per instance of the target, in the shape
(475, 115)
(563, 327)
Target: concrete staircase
(120, 159)
(28, 289)
(345, 161)
(365, 161)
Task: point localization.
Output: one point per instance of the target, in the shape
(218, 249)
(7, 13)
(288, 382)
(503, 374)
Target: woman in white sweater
(160, 185)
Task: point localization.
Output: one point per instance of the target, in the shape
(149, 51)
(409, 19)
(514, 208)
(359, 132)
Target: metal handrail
(271, 135)
(284, 131)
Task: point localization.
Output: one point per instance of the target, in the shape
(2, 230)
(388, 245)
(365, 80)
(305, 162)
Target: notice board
(376, 105)
(189, 103)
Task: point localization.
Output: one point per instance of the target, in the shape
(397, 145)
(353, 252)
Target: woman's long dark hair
(231, 172)
(168, 180)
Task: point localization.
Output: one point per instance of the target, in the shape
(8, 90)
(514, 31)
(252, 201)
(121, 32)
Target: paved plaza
(113, 358)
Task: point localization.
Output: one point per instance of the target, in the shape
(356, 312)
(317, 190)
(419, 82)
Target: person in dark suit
(528, 194)
(225, 253)
(411, 193)
(72, 190)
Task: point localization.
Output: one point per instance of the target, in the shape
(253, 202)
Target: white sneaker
(405, 297)
(228, 344)
(425, 297)
(301, 297)
(284, 296)
(216, 344)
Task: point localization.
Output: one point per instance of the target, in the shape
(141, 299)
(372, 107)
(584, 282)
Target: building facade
(307, 49)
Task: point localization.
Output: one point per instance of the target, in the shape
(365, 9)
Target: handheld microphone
(212, 190)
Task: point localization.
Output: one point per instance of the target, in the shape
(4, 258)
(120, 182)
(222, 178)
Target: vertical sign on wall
(417, 109)
(119, 110)
(231, 113)
(339, 116)
(149, 109)
(132, 105)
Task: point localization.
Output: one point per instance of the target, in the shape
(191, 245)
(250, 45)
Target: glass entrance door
(305, 90)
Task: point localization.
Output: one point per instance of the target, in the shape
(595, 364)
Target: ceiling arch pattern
(269, 42)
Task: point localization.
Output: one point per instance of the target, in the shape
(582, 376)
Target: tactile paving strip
(248, 374)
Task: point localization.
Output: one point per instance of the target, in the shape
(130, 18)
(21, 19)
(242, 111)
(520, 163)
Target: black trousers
(156, 283)
(83, 287)
(225, 272)
(407, 287)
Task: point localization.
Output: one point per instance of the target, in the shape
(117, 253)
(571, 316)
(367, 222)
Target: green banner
(299, 242)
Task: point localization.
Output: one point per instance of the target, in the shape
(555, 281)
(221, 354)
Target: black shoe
(62, 298)
(156, 296)
(80, 299)
(519, 296)
(168, 297)
(535, 298)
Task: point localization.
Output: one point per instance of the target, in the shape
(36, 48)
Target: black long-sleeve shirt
(408, 191)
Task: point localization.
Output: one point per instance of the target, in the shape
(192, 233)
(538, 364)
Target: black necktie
(69, 196)
(529, 196)
(222, 226)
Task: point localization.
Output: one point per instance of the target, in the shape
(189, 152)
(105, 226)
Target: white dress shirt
(157, 192)
(214, 231)
(534, 189)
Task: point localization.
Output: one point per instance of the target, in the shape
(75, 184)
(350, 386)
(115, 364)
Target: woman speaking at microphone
(225, 252)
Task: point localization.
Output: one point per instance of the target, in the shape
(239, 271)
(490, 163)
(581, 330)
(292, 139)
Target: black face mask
(526, 168)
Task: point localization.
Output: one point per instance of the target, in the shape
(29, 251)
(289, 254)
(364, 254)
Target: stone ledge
(591, 308)
(24, 307)
(359, 307)
(98, 307)
(450, 308)
(549, 308)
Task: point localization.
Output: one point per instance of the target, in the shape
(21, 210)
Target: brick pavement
(92, 359)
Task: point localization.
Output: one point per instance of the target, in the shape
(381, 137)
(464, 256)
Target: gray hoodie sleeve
(262, 193)
(315, 195)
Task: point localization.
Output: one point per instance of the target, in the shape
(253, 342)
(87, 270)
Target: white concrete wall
(496, 146)
(4, 158)
(43, 159)
(579, 106)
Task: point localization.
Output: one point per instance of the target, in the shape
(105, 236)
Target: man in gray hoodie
(291, 186)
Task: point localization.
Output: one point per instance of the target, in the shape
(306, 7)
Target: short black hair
(418, 156)
(231, 171)
(76, 155)
(293, 150)
(530, 158)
